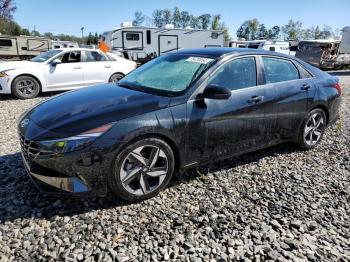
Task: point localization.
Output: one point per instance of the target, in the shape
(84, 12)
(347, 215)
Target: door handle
(107, 66)
(305, 87)
(256, 99)
(77, 67)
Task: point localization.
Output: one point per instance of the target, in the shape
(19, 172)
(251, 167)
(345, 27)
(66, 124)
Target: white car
(61, 69)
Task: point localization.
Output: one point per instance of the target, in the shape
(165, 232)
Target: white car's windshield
(45, 56)
(168, 74)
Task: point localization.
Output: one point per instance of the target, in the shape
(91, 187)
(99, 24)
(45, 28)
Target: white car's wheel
(25, 87)
(116, 77)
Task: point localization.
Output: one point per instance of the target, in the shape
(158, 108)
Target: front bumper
(76, 173)
(5, 85)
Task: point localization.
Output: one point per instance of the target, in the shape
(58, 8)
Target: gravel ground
(275, 204)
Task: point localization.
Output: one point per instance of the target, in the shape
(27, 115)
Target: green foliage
(8, 27)
(158, 17)
(215, 24)
(7, 8)
(292, 30)
(185, 19)
(205, 21)
(139, 19)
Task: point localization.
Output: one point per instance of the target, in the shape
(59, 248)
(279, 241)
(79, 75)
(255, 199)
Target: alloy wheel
(26, 87)
(314, 129)
(144, 170)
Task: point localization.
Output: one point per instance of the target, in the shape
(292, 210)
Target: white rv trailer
(58, 44)
(23, 47)
(284, 47)
(141, 44)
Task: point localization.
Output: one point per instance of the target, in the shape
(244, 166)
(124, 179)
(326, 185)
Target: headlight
(3, 74)
(74, 143)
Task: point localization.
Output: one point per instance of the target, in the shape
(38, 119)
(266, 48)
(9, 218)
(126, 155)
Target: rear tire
(312, 129)
(116, 77)
(25, 87)
(142, 169)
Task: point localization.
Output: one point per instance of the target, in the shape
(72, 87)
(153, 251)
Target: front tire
(142, 169)
(312, 129)
(25, 87)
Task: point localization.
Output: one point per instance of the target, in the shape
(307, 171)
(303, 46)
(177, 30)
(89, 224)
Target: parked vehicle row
(177, 111)
(61, 69)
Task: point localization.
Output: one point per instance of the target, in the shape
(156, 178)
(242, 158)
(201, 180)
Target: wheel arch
(168, 140)
(324, 109)
(30, 75)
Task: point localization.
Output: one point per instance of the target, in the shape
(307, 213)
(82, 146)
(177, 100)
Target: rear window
(5, 42)
(279, 70)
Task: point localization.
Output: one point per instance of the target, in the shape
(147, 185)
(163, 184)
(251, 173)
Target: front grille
(32, 149)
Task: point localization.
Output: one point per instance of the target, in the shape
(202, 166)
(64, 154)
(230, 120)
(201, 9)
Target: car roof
(218, 52)
(76, 49)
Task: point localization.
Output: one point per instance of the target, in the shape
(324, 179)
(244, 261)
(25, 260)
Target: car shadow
(5, 97)
(19, 198)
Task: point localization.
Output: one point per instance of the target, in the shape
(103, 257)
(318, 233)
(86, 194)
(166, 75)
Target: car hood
(75, 112)
(9, 65)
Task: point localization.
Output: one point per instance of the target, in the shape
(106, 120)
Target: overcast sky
(68, 16)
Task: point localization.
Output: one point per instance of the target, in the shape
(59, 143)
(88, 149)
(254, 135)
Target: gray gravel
(276, 204)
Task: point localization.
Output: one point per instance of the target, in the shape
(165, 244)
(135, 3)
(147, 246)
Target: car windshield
(45, 56)
(169, 74)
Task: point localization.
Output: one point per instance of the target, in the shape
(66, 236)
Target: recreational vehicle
(23, 47)
(58, 44)
(327, 54)
(141, 44)
(284, 47)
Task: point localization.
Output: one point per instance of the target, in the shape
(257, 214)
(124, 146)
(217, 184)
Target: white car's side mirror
(56, 62)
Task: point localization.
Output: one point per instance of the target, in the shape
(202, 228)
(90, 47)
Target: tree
(90, 39)
(205, 21)
(224, 28)
(195, 23)
(262, 32)
(158, 17)
(35, 33)
(215, 24)
(7, 8)
(243, 31)
(292, 30)
(48, 35)
(317, 33)
(176, 17)
(327, 32)
(274, 32)
(253, 28)
(139, 19)
(25, 32)
(167, 16)
(185, 19)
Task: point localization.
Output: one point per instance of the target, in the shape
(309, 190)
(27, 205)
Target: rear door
(97, 68)
(293, 89)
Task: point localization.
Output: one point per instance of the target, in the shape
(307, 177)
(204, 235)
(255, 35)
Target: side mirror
(216, 92)
(56, 62)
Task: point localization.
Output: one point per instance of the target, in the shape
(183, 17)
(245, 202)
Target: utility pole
(82, 34)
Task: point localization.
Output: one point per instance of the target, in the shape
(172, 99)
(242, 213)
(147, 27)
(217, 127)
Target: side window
(71, 57)
(279, 70)
(132, 37)
(93, 56)
(304, 72)
(5, 42)
(236, 74)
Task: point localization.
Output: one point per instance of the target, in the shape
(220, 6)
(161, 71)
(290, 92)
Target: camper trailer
(58, 44)
(23, 47)
(327, 54)
(284, 47)
(141, 44)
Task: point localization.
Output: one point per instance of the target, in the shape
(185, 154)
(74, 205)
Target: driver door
(234, 125)
(66, 75)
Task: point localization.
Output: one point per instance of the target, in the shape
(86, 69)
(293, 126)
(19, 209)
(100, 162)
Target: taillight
(337, 86)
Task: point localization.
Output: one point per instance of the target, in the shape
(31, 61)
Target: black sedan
(178, 111)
